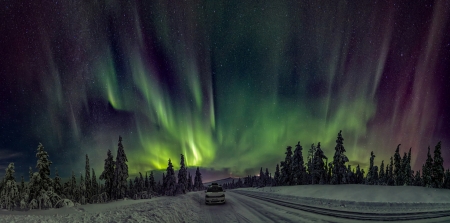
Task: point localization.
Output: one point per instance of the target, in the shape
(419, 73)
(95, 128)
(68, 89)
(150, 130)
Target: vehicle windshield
(215, 189)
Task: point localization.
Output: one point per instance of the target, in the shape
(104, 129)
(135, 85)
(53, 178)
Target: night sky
(229, 84)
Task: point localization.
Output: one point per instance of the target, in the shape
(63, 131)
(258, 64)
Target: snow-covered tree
(408, 173)
(198, 183)
(88, 184)
(371, 171)
(359, 175)
(427, 171)
(146, 182)
(339, 160)
(276, 177)
(43, 165)
(298, 167)
(10, 191)
(382, 180)
(57, 187)
(390, 175)
(94, 189)
(398, 173)
(417, 179)
(286, 167)
(170, 180)
(151, 182)
(108, 174)
(82, 188)
(182, 177)
(438, 167)
(189, 182)
(121, 171)
(318, 174)
(446, 183)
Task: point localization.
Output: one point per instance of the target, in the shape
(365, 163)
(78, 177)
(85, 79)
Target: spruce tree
(73, 186)
(121, 171)
(286, 168)
(277, 176)
(382, 180)
(298, 168)
(146, 181)
(403, 169)
(57, 187)
(108, 174)
(88, 183)
(408, 171)
(417, 179)
(170, 180)
(427, 171)
(398, 173)
(437, 167)
(94, 189)
(151, 181)
(390, 180)
(82, 189)
(446, 183)
(182, 177)
(371, 172)
(339, 160)
(10, 191)
(318, 175)
(43, 164)
(189, 182)
(267, 177)
(198, 183)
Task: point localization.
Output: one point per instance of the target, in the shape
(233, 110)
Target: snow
(190, 207)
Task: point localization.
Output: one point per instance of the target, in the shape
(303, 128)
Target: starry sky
(229, 84)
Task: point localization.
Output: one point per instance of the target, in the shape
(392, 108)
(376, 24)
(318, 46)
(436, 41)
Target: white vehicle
(215, 195)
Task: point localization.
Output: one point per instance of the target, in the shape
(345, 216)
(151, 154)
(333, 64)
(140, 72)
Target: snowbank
(363, 193)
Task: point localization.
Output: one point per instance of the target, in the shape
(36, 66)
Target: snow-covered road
(183, 208)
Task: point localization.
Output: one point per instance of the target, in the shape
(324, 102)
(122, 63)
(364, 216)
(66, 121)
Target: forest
(43, 192)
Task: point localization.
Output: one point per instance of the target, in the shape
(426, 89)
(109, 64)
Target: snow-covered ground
(239, 208)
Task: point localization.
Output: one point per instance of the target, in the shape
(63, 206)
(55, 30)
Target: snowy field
(239, 208)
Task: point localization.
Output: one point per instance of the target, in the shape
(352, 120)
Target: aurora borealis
(228, 84)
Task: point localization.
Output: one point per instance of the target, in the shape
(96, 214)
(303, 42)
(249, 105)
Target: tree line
(398, 172)
(43, 192)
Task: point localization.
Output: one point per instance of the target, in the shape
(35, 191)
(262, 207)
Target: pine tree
(131, 191)
(277, 176)
(359, 177)
(390, 180)
(121, 171)
(10, 192)
(438, 167)
(88, 183)
(151, 181)
(298, 168)
(339, 160)
(408, 175)
(170, 180)
(189, 182)
(108, 174)
(73, 185)
(267, 177)
(57, 187)
(286, 168)
(22, 186)
(398, 173)
(403, 169)
(146, 182)
(446, 183)
(182, 177)
(94, 189)
(427, 171)
(198, 183)
(371, 171)
(43, 164)
(382, 180)
(82, 189)
(318, 174)
(417, 179)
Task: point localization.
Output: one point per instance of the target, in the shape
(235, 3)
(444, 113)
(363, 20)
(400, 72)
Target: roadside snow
(367, 198)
